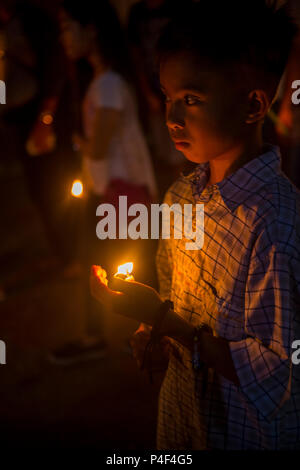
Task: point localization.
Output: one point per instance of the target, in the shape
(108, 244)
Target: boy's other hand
(160, 355)
(129, 298)
(138, 343)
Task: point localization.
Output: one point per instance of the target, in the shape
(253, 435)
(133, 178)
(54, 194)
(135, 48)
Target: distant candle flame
(47, 119)
(77, 188)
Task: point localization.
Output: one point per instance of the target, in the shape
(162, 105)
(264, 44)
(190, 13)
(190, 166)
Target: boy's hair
(250, 35)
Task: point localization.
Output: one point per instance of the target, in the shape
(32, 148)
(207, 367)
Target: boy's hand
(159, 359)
(129, 298)
(159, 356)
(138, 343)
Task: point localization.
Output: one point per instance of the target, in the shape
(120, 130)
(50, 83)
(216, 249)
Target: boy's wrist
(162, 312)
(177, 328)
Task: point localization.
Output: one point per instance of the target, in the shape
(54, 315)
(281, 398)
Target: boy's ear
(258, 105)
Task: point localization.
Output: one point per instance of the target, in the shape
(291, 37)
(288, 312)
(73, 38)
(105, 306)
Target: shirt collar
(237, 187)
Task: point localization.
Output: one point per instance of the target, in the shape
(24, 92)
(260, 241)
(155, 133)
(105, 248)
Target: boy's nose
(174, 116)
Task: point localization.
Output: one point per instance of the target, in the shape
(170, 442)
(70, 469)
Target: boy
(243, 285)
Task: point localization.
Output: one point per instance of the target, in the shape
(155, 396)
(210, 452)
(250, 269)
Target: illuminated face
(73, 36)
(204, 111)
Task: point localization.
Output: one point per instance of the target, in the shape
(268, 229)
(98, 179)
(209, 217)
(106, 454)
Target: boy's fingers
(99, 274)
(122, 285)
(98, 271)
(99, 283)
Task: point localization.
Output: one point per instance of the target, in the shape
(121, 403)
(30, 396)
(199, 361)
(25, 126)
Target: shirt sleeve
(108, 93)
(263, 359)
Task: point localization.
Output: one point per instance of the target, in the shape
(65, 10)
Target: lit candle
(125, 272)
(77, 188)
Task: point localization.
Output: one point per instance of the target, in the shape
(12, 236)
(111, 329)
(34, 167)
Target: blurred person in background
(116, 160)
(33, 123)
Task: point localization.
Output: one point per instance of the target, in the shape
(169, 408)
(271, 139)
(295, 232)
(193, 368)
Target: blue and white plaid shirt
(245, 285)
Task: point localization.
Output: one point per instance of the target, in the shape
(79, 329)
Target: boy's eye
(191, 100)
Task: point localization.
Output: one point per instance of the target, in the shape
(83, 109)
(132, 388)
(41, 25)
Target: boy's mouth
(181, 144)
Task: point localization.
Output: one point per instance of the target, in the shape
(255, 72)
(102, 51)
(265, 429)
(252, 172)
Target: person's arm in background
(106, 125)
(43, 34)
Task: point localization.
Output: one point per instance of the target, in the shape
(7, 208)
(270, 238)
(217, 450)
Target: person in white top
(113, 145)
(126, 155)
(116, 159)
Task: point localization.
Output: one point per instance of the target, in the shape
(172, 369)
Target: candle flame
(125, 268)
(77, 188)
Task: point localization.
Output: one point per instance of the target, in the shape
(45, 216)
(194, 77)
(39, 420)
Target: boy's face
(205, 112)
